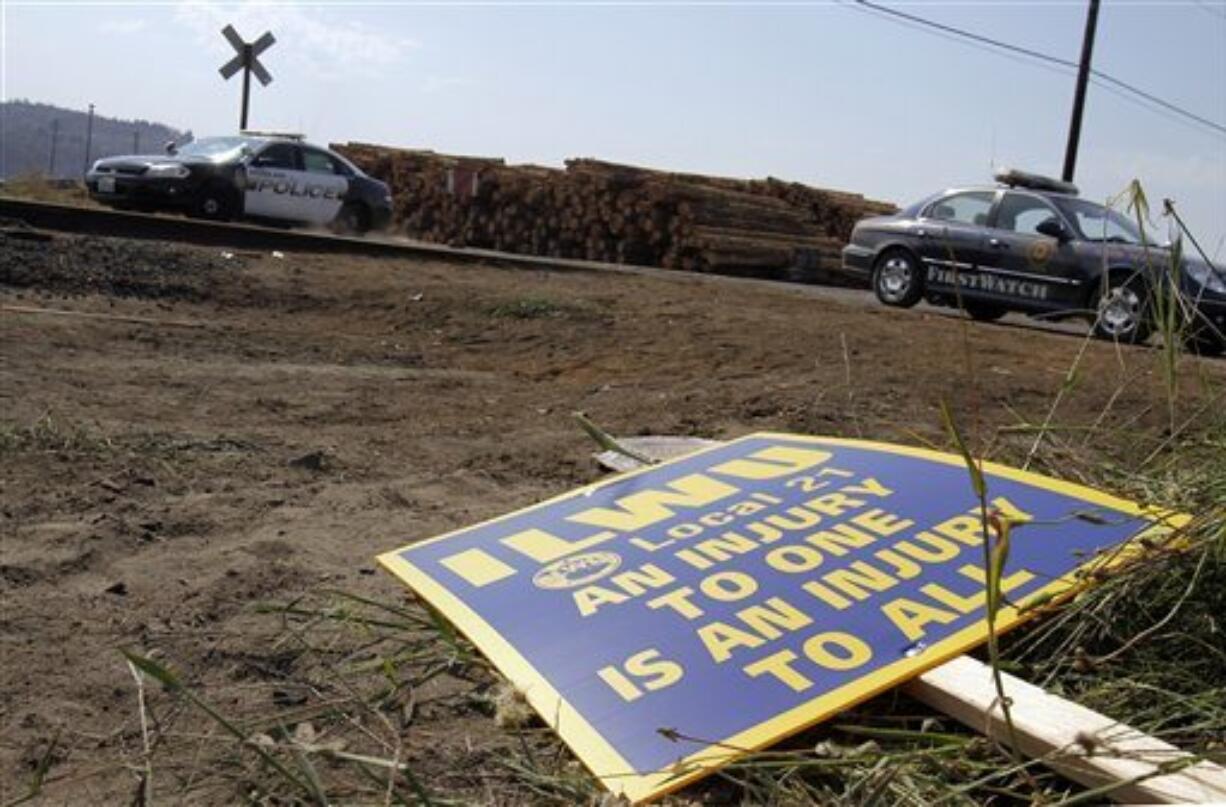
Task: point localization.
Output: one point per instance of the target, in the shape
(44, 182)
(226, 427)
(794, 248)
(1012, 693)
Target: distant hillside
(25, 138)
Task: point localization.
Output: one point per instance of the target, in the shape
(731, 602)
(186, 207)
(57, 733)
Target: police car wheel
(214, 202)
(1205, 346)
(897, 280)
(1123, 311)
(984, 312)
(1203, 339)
(352, 219)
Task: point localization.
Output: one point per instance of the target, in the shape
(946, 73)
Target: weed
(52, 435)
(39, 188)
(606, 441)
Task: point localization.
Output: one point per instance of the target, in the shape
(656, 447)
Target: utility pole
(136, 141)
(1079, 98)
(89, 138)
(55, 141)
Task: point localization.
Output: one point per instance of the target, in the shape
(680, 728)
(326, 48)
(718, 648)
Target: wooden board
(1058, 732)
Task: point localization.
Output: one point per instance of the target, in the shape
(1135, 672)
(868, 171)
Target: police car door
(274, 175)
(1026, 266)
(326, 185)
(950, 238)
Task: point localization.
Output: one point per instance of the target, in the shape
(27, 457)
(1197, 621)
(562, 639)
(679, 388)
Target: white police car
(262, 176)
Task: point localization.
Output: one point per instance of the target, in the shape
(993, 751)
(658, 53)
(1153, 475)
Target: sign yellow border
(607, 765)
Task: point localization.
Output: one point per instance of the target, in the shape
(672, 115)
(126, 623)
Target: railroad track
(122, 224)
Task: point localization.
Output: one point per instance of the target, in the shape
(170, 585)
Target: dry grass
(54, 435)
(38, 188)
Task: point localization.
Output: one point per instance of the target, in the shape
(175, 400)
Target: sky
(825, 93)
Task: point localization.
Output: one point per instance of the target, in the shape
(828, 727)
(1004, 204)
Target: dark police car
(275, 178)
(1032, 245)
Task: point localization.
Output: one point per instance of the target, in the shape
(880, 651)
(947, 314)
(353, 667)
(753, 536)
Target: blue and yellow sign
(665, 621)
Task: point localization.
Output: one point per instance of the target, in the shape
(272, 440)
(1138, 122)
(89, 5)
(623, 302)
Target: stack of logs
(602, 211)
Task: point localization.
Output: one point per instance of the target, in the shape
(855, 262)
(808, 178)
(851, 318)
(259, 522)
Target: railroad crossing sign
(247, 62)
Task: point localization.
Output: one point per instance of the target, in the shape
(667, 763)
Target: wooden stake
(1079, 743)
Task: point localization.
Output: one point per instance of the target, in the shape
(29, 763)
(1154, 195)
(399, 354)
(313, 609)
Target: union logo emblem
(576, 571)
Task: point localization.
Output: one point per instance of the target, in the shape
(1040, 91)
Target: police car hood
(1158, 257)
(1217, 267)
(139, 162)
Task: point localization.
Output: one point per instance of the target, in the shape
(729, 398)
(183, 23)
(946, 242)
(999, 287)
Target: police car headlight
(168, 171)
(1204, 275)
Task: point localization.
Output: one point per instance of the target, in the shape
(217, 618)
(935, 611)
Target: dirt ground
(214, 432)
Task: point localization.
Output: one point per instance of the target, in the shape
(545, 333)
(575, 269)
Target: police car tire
(896, 260)
(1140, 331)
(352, 219)
(1204, 346)
(1203, 340)
(984, 312)
(215, 202)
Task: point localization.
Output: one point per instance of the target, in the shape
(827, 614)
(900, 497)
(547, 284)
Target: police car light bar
(1022, 179)
(282, 135)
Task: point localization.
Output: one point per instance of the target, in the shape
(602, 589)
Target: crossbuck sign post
(247, 62)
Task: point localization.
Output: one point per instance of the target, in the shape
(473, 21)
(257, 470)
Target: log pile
(600, 211)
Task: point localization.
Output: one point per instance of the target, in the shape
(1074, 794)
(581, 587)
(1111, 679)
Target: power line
(1098, 76)
(1103, 77)
(1056, 69)
(1216, 9)
(973, 44)
(949, 29)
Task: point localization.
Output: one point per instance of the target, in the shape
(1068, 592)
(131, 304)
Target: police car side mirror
(171, 148)
(1054, 229)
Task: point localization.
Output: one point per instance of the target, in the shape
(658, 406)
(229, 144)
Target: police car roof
(992, 189)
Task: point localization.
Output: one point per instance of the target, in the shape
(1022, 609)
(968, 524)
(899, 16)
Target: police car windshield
(214, 146)
(1098, 223)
